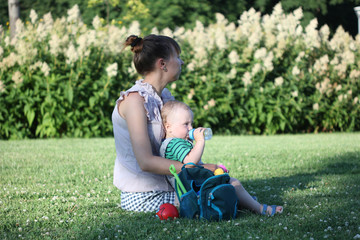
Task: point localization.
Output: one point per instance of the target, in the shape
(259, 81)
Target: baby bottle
(207, 134)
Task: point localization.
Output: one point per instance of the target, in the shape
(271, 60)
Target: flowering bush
(264, 75)
(269, 75)
(61, 78)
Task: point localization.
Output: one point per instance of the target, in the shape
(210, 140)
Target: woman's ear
(161, 64)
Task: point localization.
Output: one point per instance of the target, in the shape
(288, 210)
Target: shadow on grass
(346, 164)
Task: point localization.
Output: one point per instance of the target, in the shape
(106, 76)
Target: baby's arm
(195, 154)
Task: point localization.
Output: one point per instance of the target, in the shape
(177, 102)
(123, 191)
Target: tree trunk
(14, 14)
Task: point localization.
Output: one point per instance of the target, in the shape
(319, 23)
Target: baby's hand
(199, 134)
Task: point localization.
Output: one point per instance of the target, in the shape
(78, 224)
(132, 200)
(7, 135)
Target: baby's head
(177, 119)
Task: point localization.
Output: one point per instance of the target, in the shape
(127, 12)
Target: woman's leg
(246, 200)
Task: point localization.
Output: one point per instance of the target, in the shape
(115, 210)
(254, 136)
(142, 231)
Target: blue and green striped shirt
(177, 149)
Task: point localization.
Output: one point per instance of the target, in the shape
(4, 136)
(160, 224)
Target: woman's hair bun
(135, 42)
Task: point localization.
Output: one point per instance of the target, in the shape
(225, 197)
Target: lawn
(62, 189)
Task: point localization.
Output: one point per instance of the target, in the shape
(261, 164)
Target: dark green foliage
(184, 12)
(334, 13)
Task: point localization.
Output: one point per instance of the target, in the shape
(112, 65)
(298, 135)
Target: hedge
(263, 75)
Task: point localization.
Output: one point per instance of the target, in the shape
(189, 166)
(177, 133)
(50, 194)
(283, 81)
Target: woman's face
(173, 66)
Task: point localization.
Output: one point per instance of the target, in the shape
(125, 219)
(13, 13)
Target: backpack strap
(190, 163)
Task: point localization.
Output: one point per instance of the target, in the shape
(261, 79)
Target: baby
(177, 119)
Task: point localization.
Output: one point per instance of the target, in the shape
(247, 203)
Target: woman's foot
(270, 210)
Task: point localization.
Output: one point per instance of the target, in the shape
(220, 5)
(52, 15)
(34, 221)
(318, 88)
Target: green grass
(62, 189)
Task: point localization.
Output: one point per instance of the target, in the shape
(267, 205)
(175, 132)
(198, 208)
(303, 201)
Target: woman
(139, 171)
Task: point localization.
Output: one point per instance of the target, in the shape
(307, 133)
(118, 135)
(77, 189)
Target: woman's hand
(210, 166)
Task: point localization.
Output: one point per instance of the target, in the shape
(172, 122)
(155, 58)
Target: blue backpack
(207, 196)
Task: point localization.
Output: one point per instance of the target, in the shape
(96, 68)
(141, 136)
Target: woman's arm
(210, 166)
(133, 111)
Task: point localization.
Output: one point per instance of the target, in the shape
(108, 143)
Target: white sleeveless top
(128, 175)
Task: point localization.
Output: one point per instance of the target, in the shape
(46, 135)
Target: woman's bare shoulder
(131, 102)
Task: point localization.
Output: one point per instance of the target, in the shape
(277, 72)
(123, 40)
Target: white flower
(321, 64)
(54, 44)
(191, 66)
(41, 32)
(191, 94)
(48, 21)
(20, 29)
(45, 68)
(354, 74)
(300, 56)
(246, 78)
(260, 53)
(220, 39)
(96, 22)
(341, 97)
(167, 32)
(325, 32)
(134, 28)
(10, 60)
(200, 56)
(324, 86)
(173, 86)
(155, 31)
(295, 71)
(268, 64)
(212, 102)
(71, 54)
(298, 13)
(316, 106)
(294, 93)
(26, 52)
(73, 14)
(233, 57)
(33, 16)
(312, 39)
(2, 86)
(256, 68)
(232, 73)
(7, 41)
(179, 32)
(279, 81)
(17, 78)
(112, 70)
(132, 70)
(356, 100)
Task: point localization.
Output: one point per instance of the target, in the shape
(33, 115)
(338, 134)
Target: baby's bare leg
(244, 198)
(247, 201)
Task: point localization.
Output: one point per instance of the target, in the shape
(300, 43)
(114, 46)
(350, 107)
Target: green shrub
(265, 75)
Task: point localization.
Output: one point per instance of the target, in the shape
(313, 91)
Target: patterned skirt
(145, 201)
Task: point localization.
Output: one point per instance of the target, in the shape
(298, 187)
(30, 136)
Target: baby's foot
(270, 210)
